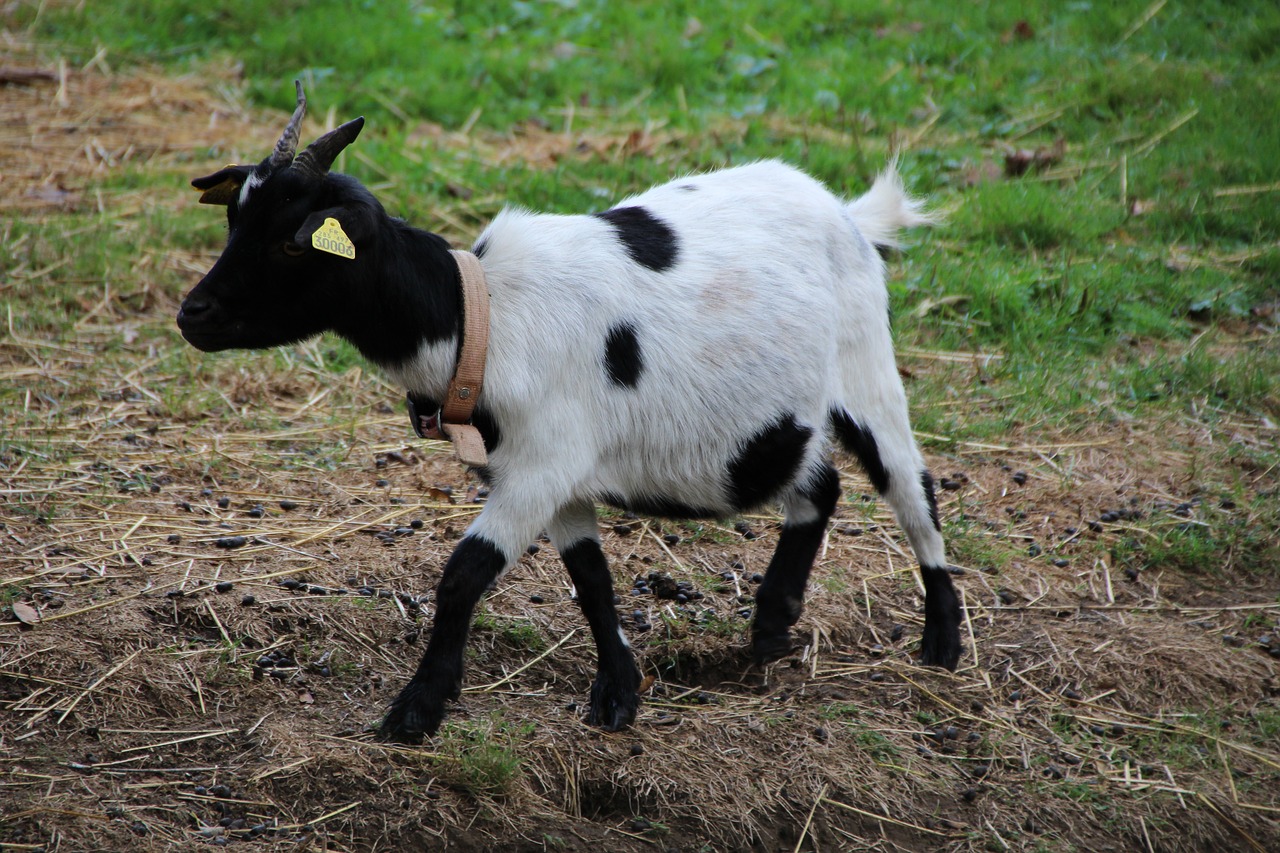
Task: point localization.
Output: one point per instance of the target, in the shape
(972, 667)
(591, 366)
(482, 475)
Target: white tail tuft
(885, 209)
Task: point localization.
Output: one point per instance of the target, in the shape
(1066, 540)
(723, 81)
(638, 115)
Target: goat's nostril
(193, 307)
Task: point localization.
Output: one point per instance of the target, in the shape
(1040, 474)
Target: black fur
(614, 700)
(926, 480)
(861, 443)
(649, 241)
(657, 505)
(481, 419)
(622, 358)
(410, 270)
(940, 645)
(780, 598)
(767, 462)
(419, 708)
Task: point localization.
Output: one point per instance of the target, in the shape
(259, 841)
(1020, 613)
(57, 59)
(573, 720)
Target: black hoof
(415, 714)
(941, 646)
(769, 647)
(614, 702)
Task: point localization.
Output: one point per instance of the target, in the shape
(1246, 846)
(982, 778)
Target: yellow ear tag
(330, 238)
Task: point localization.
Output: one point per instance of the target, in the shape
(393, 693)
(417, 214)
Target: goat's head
(277, 279)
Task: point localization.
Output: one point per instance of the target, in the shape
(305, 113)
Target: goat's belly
(701, 479)
(662, 506)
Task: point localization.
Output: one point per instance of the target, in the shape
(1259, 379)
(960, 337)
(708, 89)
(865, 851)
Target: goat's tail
(884, 210)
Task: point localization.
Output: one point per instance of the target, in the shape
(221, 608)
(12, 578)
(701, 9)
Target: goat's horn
(288, 144)
(319, 155)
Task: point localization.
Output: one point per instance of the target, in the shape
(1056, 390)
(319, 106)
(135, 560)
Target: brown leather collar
(453, 420)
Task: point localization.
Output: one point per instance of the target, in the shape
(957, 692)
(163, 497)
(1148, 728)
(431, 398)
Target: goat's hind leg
(881, 439)
(614, 694)
(780, 598)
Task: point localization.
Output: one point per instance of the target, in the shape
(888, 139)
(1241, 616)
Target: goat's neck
(409, 305)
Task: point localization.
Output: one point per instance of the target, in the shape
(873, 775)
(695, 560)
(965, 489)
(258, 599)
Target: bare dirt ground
(202, 618)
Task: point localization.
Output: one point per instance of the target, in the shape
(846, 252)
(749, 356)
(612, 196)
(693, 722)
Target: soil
(204, 617)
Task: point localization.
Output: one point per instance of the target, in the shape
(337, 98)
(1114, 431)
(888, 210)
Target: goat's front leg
(510, 520)
(614, 696)
(419, 708)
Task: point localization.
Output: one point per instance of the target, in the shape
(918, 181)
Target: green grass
(516, 633)
(1121, 285)
(482, 756)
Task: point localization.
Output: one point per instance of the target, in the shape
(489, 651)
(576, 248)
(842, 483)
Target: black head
(296, 233)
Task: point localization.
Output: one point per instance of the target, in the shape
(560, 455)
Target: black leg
(941, 643)
(614, 697)
(780, 599)
(419, 708)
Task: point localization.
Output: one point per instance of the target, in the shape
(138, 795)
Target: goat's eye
(292, 249)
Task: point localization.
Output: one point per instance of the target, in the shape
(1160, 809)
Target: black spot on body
(480, 248)
(926, 480)
(688, 187)
(657, 505)
(622, 359)
(768, 461)
(648, 240)
(861, 443)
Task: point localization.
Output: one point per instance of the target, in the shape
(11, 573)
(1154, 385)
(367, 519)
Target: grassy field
(1089, 343)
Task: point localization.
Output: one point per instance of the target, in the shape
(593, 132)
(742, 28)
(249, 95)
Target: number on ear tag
(330, 238)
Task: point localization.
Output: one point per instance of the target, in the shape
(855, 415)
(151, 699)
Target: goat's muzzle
(200, 327)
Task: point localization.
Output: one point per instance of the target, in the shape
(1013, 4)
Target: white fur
(254, 181)
(776, 304)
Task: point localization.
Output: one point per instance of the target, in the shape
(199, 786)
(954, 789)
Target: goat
(692, 352)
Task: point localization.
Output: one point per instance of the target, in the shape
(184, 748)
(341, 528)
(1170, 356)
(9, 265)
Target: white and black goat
(692, 352)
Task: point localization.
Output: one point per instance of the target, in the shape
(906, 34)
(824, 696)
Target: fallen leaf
(26, 614)
(440, 495)
(1025, 160)
(928, 305)
(1021, 31)
(1264, 311)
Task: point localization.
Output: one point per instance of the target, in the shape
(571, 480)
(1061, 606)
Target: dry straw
(149, 704)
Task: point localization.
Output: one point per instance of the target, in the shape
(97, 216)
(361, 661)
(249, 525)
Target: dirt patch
(207, 612)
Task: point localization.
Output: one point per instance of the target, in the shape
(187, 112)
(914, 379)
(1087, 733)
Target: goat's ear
(222, 185)
(335, 230)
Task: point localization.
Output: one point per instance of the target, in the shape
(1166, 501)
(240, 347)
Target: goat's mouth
(206, 336)
(208, 341)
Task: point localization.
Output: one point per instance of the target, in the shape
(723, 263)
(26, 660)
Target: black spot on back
(622, 358)
(926, 480)
(861, 443)
(649, 241)
(480, 248)
(688, 187)
(768, 461)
